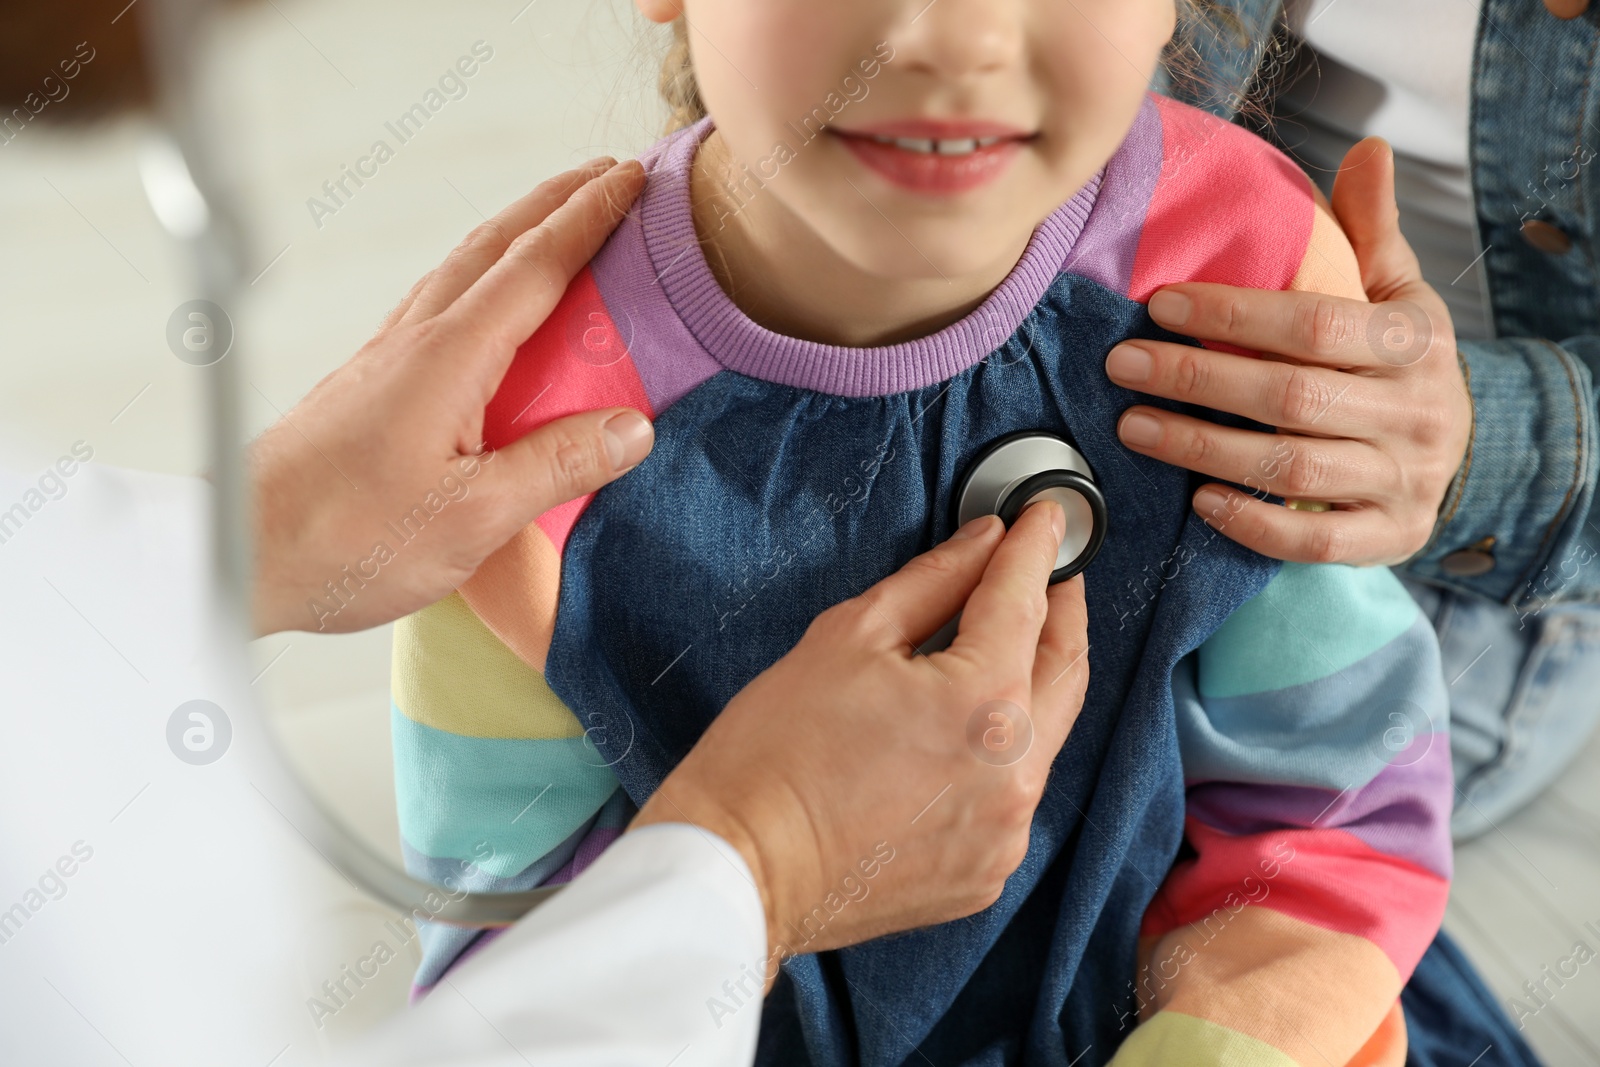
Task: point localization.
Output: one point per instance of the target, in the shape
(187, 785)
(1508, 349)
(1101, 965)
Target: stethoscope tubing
(174, 29)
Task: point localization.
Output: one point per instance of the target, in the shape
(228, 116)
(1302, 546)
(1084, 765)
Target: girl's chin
(909, 258)
(890, 243)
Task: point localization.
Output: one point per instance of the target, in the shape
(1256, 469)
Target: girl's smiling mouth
(935, 158)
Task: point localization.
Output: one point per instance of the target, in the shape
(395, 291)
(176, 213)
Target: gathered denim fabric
(1523, 635)
(761, 506)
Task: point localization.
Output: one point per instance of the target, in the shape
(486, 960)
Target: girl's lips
(937, 129)
(935, 158)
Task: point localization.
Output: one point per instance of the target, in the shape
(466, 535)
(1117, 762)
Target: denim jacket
(1523, 496)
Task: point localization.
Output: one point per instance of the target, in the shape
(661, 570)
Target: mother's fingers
(1364, 204)
(1290, 396)
(1328, 331)
(515, 295)
(484, 246)
(1356, 536)
(1287, 465)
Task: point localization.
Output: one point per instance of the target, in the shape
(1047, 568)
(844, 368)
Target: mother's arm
(1378, 406)
(1517, 526)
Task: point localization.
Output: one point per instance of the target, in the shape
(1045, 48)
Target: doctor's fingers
(912, 604)
(487, 242)
(517, 293)
(395, 313)
(560, 461)
(1004, 616)
(1060, 669)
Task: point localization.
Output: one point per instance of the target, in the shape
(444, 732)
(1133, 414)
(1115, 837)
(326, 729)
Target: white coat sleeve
(652, 957)
(155, 912)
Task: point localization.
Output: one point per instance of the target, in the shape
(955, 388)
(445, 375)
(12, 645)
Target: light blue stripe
(1336, 732)
(464, 874)
(468, 798)
(443, 944)
(1309, 622)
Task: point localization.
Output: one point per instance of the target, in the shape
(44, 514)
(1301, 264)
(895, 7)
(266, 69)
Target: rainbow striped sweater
(1305, 871)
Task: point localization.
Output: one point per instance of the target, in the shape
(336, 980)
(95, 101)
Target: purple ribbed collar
(739, 344)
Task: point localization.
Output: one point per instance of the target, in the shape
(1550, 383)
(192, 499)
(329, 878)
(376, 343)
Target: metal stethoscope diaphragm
(1021, 469)
(1025, 468)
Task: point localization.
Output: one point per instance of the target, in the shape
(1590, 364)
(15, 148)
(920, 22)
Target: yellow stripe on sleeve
(451, 673)
(1173, 1039)
(1311, 994)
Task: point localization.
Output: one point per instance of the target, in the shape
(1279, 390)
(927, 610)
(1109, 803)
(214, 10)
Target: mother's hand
(1369, 398)
(385, 452)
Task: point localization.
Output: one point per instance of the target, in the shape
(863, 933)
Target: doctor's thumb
(571, 457)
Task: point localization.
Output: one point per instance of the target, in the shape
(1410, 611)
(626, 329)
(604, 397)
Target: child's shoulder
(613, 338)
(577, 360)
(1214, 202)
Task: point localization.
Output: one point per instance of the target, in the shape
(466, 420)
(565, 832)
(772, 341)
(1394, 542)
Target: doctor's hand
(1374, 413)
(855, 770)
(394, 436)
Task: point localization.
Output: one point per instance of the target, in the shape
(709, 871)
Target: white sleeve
(653, 956)
(176, 935)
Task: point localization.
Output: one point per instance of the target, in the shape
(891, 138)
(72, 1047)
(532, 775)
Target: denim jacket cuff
(1514, 526)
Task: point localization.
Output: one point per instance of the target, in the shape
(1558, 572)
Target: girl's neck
(784, 277)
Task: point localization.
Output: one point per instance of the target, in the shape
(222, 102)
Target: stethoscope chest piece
(1023, 468)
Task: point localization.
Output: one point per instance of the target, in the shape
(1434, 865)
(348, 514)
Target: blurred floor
(1525, 894)
(89, 279)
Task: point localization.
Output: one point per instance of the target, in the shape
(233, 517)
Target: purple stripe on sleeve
(1401, 812)
(597, 842)
(445, 946)
(1105, 250)
(668, 359)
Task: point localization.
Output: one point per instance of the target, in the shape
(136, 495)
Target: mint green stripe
(1337, 732)
(467, 798)
(1310, 621)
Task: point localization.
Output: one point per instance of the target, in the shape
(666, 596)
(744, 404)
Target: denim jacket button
(1566, 9)
(1546, 237)
(1467, 563)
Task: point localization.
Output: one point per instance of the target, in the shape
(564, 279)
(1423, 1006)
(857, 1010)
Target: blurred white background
(88, 279)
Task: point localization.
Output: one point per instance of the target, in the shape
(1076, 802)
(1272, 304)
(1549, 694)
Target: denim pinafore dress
(788, 476)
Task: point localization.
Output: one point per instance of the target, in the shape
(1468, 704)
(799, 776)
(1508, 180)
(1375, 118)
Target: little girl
(884, 234)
